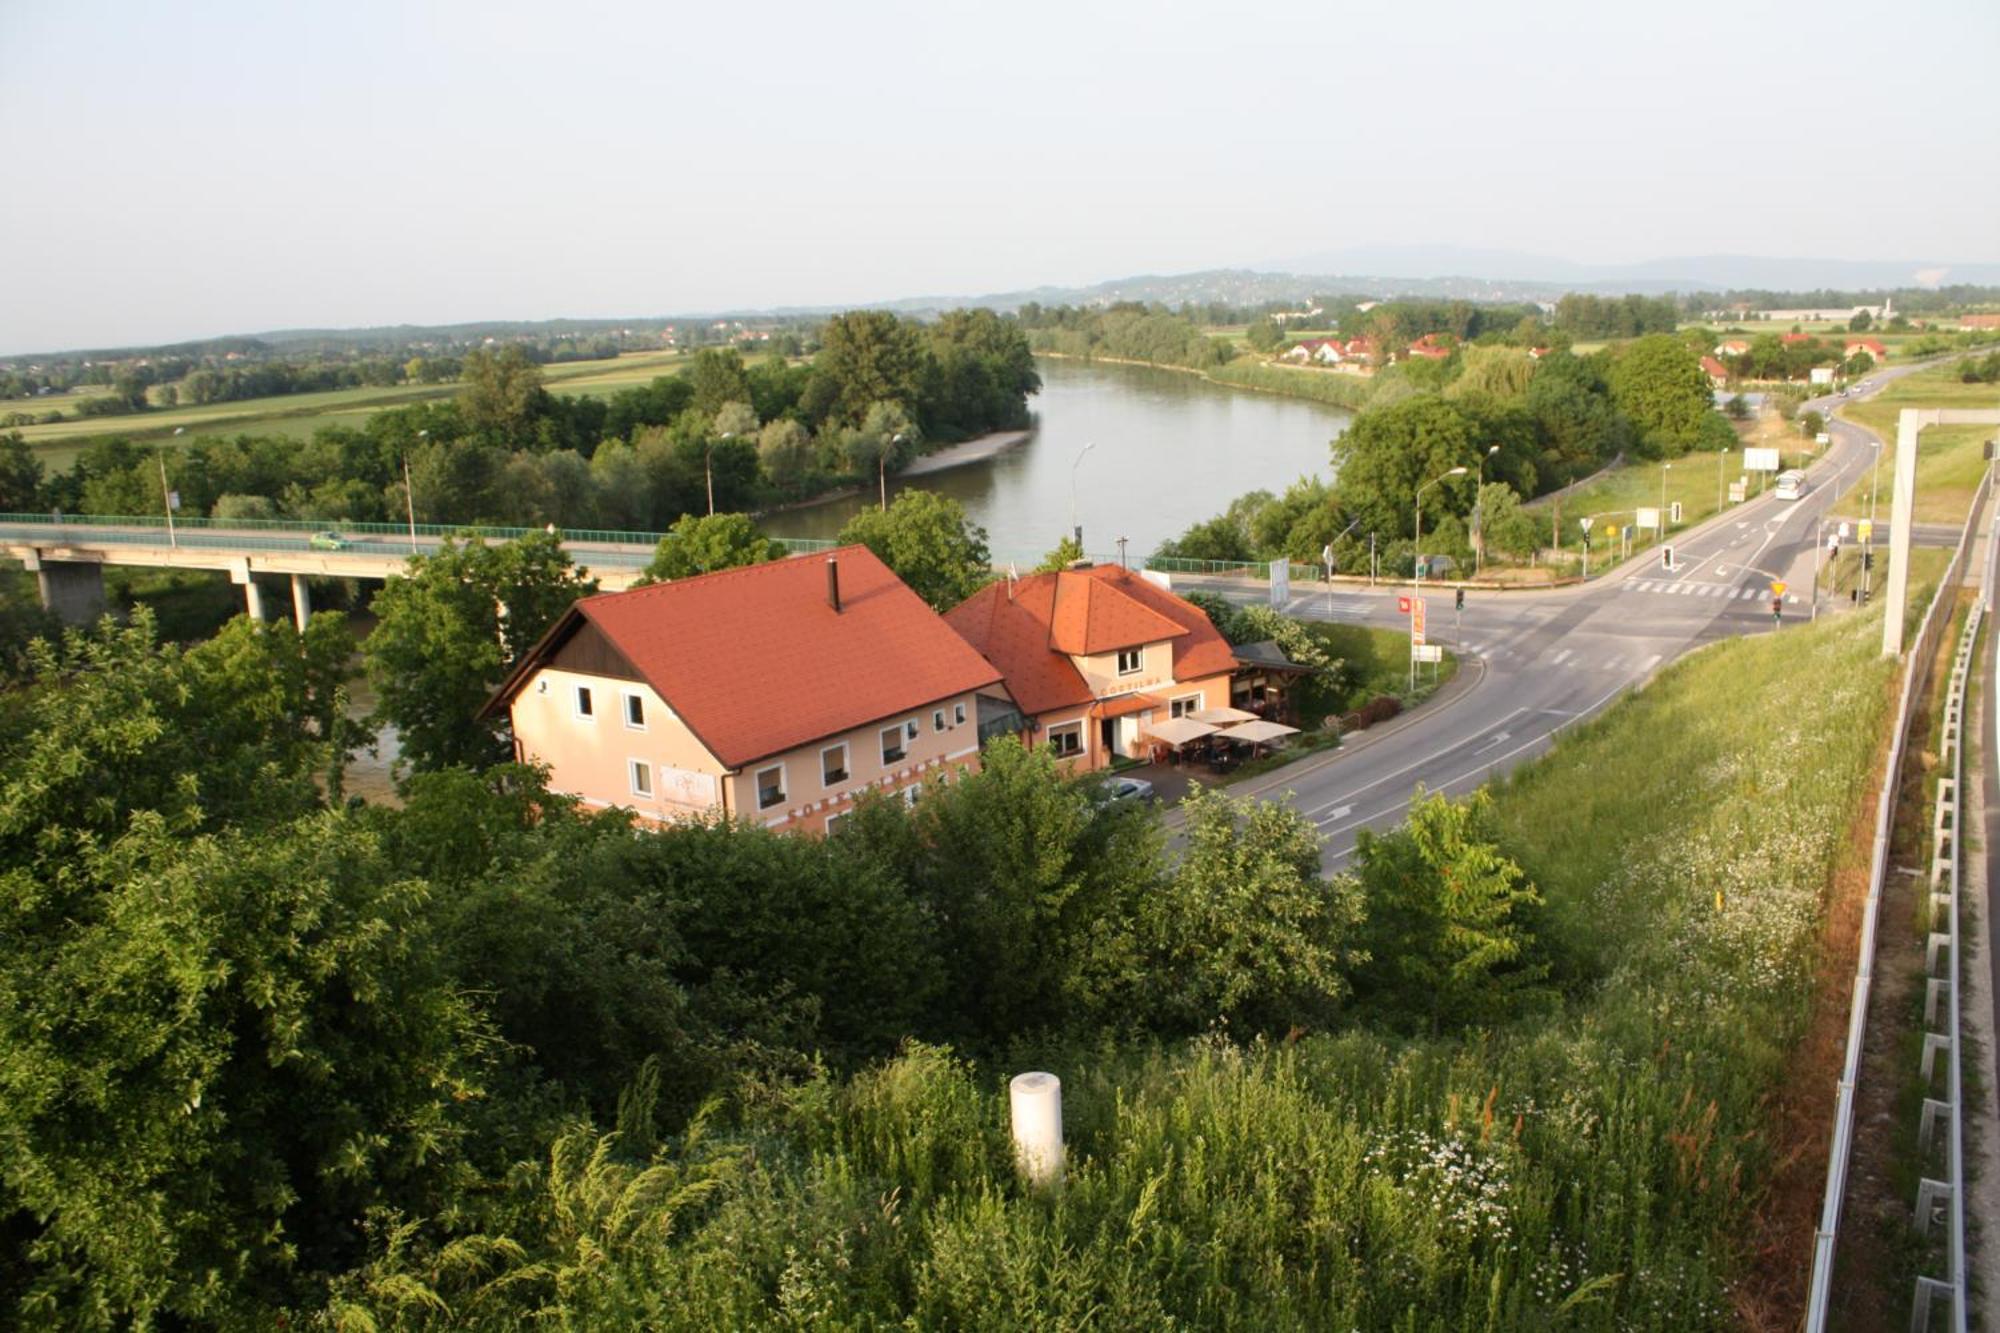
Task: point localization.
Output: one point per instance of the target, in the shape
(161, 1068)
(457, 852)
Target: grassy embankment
(299, 415)
(1950, 459)
(1608, 1164)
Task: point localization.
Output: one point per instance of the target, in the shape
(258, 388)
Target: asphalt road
(1538, 662)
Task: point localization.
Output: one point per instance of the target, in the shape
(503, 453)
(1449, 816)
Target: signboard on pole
(1760, 460)
(1867, 528)
(1777, 588)
(1736, 491)
(1648, 518)
(173, 499)
(1402, 606)
(1429, 652)
(1416, 620)
(1281, 583)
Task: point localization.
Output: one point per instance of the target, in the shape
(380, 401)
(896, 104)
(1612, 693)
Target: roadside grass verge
(1599, 1164)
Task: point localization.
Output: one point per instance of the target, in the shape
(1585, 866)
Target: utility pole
(167, 495)
(410, 494)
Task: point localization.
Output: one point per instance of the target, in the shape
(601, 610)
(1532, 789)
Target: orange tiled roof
(757, 662)
(1018, 633)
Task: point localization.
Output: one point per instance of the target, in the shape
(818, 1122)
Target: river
(1167, 449)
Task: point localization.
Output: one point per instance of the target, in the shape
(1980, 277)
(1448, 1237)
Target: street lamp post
(1721, 460)
(1868, 547)
(167, 495)
(1072, 489)
(410, 493)
(1417, 561)
(882, 471)
(1479, 513)
(1665, 468)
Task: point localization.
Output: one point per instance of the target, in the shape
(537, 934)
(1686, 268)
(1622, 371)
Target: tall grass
(1594, 1167)
(1324, 386)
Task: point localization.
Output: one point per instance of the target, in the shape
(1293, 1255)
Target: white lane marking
(1557, 660)
(1318, 811)
(1497, 738)
(1650, 663)
(1342, 812)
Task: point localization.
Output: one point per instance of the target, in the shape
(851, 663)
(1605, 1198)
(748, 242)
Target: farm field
(1950, 459)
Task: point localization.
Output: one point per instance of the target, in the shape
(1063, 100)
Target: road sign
(1760, 460)
(1402, 606)
(1777, 588)
(1866, 528)
(1416, 620)
(1737, 490)
(1648, 518)
(1843, 531)
(1611, 531)
(173, 499)
(1326, 554)
(1429, 652)
(1281, 583)
(1585, 523)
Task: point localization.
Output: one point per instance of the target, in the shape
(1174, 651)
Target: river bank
(1349, 393)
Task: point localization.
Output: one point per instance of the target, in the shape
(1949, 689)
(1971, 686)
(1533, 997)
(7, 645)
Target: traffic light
(1777, 608)
(1461, 600)
(1666, 557)
(1868, 560)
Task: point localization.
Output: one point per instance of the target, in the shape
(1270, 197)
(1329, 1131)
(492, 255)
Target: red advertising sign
(1402, 606)
(1416, 620)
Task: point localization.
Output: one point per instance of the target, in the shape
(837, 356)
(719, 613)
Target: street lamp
(1072, 488)
(1479, 513)
(1665, 468)
(410, 493)
(166, 495)
(1721, 460)
(1417, 562)
(882, 469)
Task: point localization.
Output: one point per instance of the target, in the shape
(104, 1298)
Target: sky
(181, 171)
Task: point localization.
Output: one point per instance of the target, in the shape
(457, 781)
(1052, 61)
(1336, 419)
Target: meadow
(1616, 1160)
(1950, 459)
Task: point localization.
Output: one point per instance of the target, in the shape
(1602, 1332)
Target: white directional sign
(1586, 522)
(1429, 652)
(1760, 460)
(1648, 518)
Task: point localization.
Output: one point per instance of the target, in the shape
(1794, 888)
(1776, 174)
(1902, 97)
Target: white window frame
(902, 746)
(626, 698)
(784, 785)
(846, 773)
(1067, 727)
(1138, 656)
(1193, 704)
(579, 694)
(635, 771)
(958, 715)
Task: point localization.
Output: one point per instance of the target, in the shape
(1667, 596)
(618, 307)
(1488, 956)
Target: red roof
(1789, 338)
(1105, 606)
(756, 661)
(1880, 352)
(1714, 367)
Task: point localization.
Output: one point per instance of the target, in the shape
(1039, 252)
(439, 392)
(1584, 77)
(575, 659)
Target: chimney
(833, 583)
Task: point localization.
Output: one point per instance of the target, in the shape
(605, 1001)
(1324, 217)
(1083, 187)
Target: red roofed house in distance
(775, 693)
(1094, 655)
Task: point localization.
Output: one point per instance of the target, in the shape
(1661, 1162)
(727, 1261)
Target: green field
(1950, 459)
(299, 415)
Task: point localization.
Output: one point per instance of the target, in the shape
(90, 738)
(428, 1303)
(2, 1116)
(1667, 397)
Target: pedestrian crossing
(1728, 592)
(1563, 659)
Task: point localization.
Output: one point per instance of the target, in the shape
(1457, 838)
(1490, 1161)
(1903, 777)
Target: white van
(1790, 485)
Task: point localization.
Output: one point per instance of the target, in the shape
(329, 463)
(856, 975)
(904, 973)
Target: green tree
(884, 442)
(1861, 323)
(718, 377)
(927, 540)
(1264, 336)
(1658, 382)
(1737, 408)
(1066, 553)
(1249, 933)
(20, 476)
(1505, 525)
(703, 543)
(442, 642)
(865, 357)
(502, 393)
(785, 449)
(1811, 423)
(1389, 452)
(1449, 931)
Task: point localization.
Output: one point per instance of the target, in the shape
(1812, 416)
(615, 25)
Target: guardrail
(1916, 660)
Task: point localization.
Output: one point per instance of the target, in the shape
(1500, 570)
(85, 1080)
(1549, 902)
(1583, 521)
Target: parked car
(1138, 791)
(327, 541)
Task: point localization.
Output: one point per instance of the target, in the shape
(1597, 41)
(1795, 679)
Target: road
(1538, 662)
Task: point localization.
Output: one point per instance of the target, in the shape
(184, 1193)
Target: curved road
(1533, 663)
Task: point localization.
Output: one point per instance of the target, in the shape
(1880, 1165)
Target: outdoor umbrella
(1222, 717)
(1179, 730)
(1257, 733)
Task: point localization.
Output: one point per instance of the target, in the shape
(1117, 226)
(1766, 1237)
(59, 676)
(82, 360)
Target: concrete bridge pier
(73, 589)
(302, 602)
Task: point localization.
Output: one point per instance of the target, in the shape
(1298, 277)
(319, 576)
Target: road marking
(1318, 811)
(1650, 663)
(1557, 660)
(1342, 812)
(1498, 738)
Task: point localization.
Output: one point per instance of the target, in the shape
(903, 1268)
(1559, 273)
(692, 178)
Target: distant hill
(1687, 274)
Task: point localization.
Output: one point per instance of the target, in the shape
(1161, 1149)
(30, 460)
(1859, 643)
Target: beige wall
(1100, 671)
(592, 759)
(1209, 692)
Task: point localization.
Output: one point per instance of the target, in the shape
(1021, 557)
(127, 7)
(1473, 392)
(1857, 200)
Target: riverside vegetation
(488, 1060)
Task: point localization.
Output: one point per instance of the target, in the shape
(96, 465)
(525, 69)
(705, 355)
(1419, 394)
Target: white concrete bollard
(1036, 1102)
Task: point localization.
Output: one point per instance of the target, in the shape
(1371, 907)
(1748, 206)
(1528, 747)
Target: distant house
(1326, 351)
(1430, 347)
(1733, 347)
(1794, 339)
(1094, 656)
(1870, 347)
(776, 693)
(1979, 321)
(1537, 353)
(1718, 374)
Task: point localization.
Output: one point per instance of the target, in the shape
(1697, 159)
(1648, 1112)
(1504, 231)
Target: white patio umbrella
(1179, 730)
(1222, 717)
(1256, 733)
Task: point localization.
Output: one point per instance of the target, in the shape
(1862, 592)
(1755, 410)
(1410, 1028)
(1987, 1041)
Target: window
(834, 820)
(1066, 740)
(833, 765)
(1183, 706)
(642, 778)
(635, 712)
(892, 744)
(1130, 660)
(937, 720)
(585, 710)
(770, 786)
(911, 728)
(912, 792)
(958, 715)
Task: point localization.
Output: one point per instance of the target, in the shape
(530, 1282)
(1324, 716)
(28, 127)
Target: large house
(1733, 347)
(776, 693)
(1872, 347)
(1093, 656)
(1326, 351)
(1718, 374)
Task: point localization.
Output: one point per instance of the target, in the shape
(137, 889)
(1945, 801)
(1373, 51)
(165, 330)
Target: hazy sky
(216, 166)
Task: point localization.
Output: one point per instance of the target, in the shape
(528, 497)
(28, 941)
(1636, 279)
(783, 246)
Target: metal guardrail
(1924, 648)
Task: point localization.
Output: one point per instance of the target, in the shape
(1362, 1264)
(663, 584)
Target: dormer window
(1131, 661)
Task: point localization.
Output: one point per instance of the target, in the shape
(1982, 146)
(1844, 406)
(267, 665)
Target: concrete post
(1908, 423)
(1036, 1102)
(73, 589)
(302, 602)
(253, 599)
